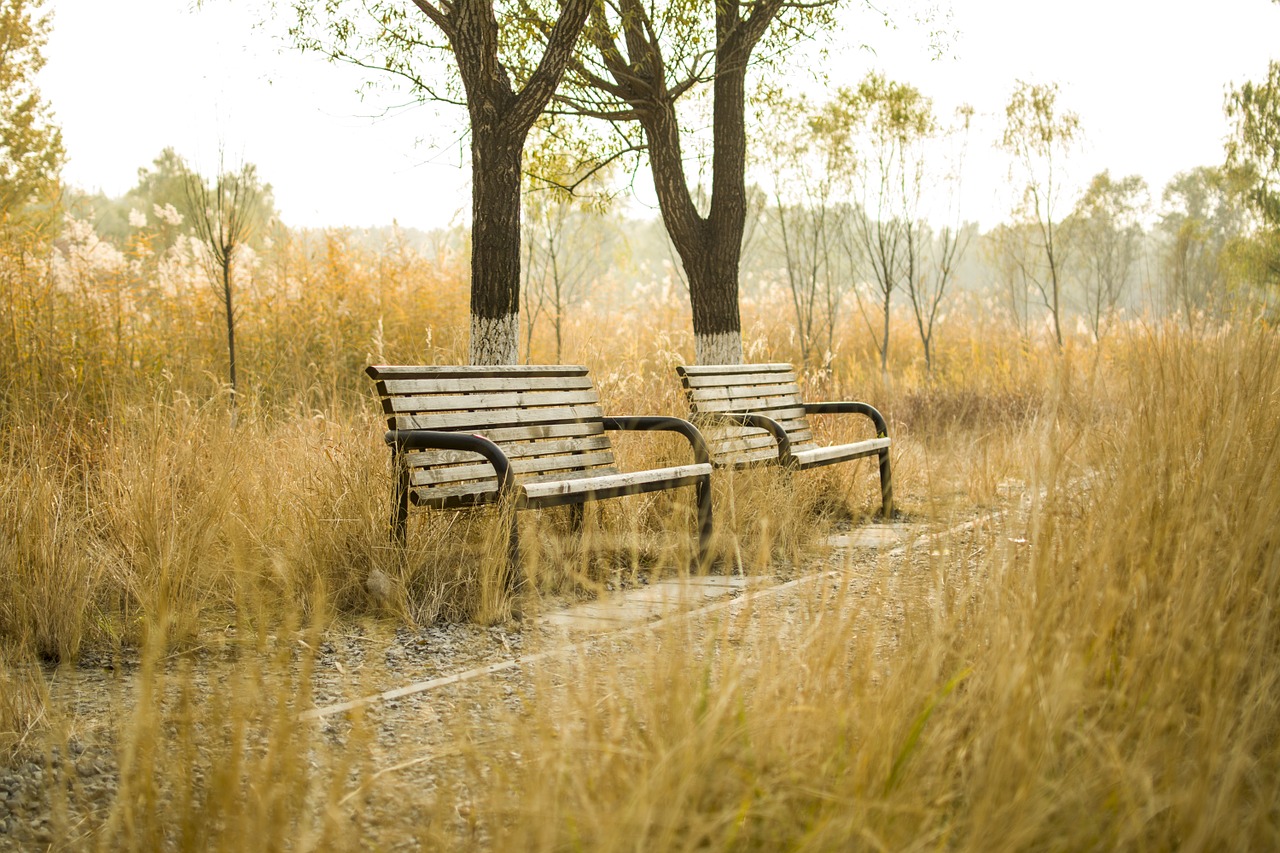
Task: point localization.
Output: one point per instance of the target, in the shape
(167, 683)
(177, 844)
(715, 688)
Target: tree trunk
(884, 350)
(231, 330)
(1057, 320)
(500, 122)
(717, 323)
(495, 246)
(713, 294)
(709, 247)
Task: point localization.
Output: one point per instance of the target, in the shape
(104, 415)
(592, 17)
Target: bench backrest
(546, 418)
(765, 389)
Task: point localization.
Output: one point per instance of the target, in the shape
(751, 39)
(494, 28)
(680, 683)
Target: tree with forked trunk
(507, 62)
(638, 66)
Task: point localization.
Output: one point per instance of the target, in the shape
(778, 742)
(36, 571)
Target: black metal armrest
(758, 421)
(403, 440)
(882, 428)
(660, 422)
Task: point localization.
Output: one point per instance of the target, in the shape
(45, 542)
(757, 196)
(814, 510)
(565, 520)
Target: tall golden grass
(1097, 667)
(124, 486)
(1099, 670)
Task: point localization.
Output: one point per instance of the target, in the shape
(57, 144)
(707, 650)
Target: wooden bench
(752, 414)
(523, 437)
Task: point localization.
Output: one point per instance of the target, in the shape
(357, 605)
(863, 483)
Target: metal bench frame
(753, 415)
(520, 437)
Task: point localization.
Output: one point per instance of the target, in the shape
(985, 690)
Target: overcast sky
(127, 79)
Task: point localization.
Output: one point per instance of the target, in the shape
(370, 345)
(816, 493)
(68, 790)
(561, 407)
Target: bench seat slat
(439, 474)
(554, 490)
(477, 492)
(742, 380)
(727, 392)
(839, 452)
(722, 369)
(537, 433)
(755, 437)
(514, 450)
(742, 439)
(778, 408)
(725, 433)
(551, 493)
(515, 372)
(750, 458)
(396, 387)
(424, 404)
(792, 426)
(455, 497)
(491, 419)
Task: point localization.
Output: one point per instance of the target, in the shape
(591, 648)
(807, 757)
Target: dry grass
(1096, 670)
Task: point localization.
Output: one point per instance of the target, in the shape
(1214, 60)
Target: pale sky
(127, 79)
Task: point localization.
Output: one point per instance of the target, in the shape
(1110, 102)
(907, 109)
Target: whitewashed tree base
(495, 340)
(721, 348)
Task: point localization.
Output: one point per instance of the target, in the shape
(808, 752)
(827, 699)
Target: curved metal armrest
(882, 428)
(403, 440)
(758, 421)
(660, 422)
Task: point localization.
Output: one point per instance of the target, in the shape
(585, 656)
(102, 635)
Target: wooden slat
(468, 402)
(758, 405)
(438, 475)
(630, 482)
(497, 418)
(717, 369)
(737, 380)
(796, 432)
(448, 497)
(733, 446)
(746, 440)
(753, 453)
(484, 491)
(478, 385)
(540, 432)
(435, 371)
(537, 464)
(726, 392)
(751, 457)
(546, 488)
(569, 462)
(840, 452)
(514, 450)
(778, 413)
(585, 473)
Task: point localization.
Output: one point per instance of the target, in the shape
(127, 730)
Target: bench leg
(702, 494)
(400, 505)
(576, 513)
(886, 485)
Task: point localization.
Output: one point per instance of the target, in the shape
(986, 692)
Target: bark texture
(723, 348)
(495, 340)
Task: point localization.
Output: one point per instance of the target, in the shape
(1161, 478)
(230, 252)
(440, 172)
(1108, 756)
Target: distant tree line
(851, 205)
